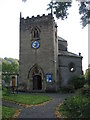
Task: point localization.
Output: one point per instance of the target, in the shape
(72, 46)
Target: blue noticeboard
(48, 77)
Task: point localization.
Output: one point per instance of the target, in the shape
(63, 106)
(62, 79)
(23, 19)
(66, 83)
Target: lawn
(7, 112)
(27, 98)
(77, 106)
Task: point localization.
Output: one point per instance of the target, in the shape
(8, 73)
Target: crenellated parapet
(37, 17)
(44, 19)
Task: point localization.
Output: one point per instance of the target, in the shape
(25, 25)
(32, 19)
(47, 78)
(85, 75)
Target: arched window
(35, 33)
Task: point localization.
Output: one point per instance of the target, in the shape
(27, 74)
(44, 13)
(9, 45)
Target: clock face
(35, 44)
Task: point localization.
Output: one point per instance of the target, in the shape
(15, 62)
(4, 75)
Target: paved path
(44, 111)
(11, 104)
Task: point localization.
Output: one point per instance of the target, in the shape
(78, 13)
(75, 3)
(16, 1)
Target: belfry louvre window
(35, 33)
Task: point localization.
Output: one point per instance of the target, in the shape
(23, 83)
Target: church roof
(61, 39)
(66, 53)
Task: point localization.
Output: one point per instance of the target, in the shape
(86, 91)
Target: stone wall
(64, 68)
(44, 56)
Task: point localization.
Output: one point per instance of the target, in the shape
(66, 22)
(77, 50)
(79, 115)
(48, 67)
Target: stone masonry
(45, 63)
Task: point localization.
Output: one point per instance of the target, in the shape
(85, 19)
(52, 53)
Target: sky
(69, 29)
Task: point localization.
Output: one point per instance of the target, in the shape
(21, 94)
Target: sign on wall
(48, 77)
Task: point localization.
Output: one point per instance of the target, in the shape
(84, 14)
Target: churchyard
(22, 100)
(46, 65)
(76, 106)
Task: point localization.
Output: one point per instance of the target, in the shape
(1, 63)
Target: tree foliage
(87, 76)
(84, 12)
(61, 10)
(10, 66)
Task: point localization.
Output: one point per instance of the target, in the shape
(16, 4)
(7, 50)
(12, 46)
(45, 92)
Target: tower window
(35, 34)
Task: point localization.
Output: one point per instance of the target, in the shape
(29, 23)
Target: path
(44, 111)
(11, 104)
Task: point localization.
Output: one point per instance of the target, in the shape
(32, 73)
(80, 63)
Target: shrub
(6, 91)
(77, 82)
(76, 107)
(67, 89)
(85, 90)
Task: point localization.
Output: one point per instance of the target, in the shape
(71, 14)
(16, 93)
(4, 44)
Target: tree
(84, 12)
(60, 10)
(87, 75)
(9, 66)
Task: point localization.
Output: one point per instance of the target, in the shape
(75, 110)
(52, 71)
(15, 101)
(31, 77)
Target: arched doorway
(36, 78)
(37, 82)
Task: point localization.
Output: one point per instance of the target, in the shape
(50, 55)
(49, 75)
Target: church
(45, 62)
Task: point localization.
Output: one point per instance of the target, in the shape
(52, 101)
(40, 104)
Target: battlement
(36, 18)
(26, 23)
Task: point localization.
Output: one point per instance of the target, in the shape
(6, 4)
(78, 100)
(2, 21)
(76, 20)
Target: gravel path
(44, 111)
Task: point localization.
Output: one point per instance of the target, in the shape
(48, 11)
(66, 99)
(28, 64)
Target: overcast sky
(69, 29)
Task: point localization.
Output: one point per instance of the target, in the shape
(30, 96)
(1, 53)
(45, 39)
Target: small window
(72, 67)
(35, 34)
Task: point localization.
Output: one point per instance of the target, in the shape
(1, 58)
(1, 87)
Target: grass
(27, 98)
(30, 99)
(7, 112)
(77, 106)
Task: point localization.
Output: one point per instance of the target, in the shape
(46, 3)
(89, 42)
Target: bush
(85, 90)
(87, 76)
(67, 89)
(86, 86)
(6, 91)
(77, 82)
(76, 107)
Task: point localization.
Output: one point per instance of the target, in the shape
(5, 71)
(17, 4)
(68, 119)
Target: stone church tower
(45, 63)
(38, 54)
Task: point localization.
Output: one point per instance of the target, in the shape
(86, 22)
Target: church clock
(35, 44)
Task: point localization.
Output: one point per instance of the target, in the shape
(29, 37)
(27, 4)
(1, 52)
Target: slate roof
(61, 39)
(66, 53)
